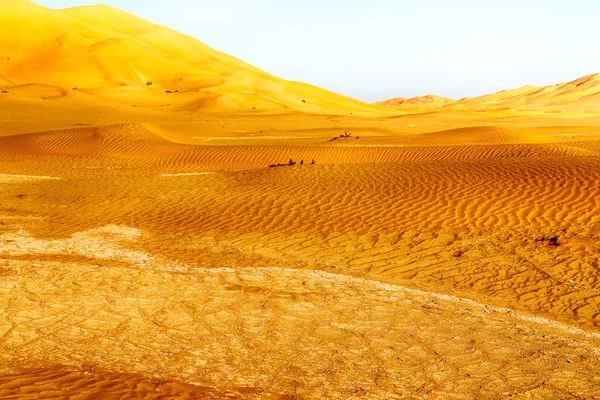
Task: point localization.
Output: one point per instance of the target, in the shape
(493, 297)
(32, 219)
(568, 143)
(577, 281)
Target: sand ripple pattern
(142, 149)
(488, 220)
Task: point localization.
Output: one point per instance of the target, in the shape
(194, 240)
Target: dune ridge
(582, 94)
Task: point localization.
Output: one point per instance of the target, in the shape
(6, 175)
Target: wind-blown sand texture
(153, 252)
(400, 265)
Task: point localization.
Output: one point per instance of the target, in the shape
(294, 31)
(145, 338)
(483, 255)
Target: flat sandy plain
(149, 254)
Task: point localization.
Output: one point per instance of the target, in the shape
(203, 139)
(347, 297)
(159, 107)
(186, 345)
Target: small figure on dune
(292, 162)
(301, 162)
(313, 162)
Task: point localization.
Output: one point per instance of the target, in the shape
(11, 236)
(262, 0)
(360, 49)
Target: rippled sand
(139, 261)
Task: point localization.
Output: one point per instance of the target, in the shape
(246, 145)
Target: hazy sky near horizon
(377, 49)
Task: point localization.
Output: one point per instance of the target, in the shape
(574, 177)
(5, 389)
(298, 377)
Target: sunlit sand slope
(128, 139)
(482, 135)
(112, 55)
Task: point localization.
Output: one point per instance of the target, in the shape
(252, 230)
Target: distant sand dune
(481, 135)
(578, 95)
(428, 102)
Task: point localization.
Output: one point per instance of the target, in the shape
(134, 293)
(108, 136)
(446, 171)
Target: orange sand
(581, 96)
(150, 251)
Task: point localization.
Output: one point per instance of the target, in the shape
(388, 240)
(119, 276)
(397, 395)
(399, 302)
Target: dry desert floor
(155, 254)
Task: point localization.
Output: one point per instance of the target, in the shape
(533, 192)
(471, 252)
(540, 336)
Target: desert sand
(580, 96)
(435, 249)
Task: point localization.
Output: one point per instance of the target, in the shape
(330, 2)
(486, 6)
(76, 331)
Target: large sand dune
(112, 55)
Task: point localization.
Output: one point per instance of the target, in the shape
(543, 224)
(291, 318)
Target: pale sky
(377, 49)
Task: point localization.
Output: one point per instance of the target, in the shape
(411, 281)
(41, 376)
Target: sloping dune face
(98, 48)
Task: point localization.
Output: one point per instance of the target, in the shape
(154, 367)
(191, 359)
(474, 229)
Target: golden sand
(175, 261)
(152, 252)
(580, 95)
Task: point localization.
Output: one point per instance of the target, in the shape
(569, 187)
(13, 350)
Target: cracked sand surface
(268, 332)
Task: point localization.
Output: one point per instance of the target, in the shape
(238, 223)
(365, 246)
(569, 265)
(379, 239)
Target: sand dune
(452, 259)
(580, 95)
(112, 55)
(492, 212)
(482, 136)
(64, 383)
(428, 102)
(118, 139)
